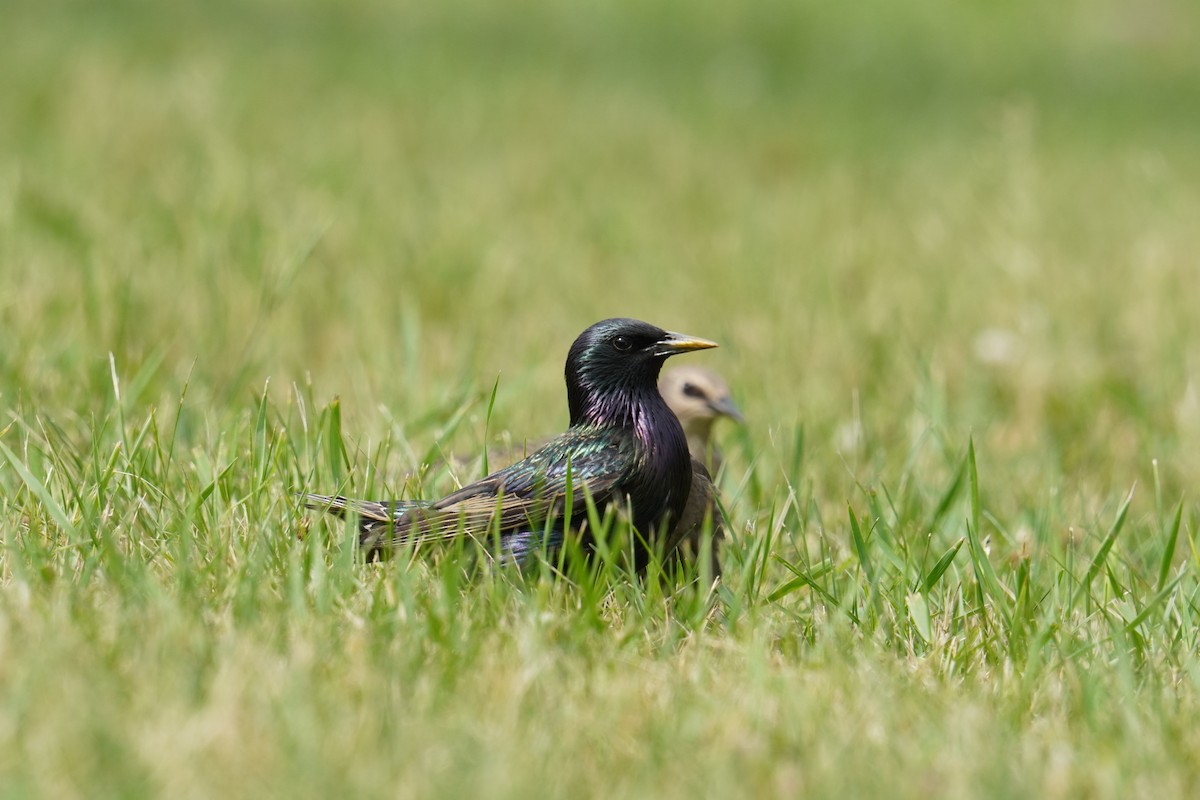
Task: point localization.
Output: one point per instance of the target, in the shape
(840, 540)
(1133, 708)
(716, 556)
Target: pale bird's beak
(726, 407)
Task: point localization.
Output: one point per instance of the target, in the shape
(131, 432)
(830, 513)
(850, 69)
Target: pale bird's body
(699, 397)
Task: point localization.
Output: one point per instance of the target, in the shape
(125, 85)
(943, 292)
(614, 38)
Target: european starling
(699, 397)
(624, 448)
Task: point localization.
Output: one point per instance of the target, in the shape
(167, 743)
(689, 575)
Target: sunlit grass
(255, 249)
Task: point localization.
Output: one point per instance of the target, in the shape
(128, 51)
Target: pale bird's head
(699, 397)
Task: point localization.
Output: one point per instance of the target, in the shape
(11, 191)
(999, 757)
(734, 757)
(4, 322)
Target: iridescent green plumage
(624, 448)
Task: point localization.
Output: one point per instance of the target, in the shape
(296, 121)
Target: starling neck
(659, 487)
(636, 410)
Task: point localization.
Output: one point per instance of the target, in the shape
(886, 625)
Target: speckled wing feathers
(590, 462)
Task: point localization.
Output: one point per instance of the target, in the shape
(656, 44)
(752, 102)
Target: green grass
(949, 251)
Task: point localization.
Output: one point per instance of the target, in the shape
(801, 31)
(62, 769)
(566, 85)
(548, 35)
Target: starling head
(615, 363)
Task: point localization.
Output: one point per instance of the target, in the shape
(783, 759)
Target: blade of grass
(43, 494)
(948, 497)
(487, 421)
(918, 612)
(941, 566)
(1168, 556)
(984, 572)
(864, 557)
(1153, 603)
(335, 447)
(860, 547)
(1106, 546)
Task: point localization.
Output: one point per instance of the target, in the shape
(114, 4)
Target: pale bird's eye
(692, 390)
(622, 344)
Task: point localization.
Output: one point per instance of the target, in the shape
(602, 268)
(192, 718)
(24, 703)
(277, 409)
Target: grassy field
(249, 248)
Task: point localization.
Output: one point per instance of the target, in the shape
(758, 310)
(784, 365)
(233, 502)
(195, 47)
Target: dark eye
(692, 390)
(622, 344)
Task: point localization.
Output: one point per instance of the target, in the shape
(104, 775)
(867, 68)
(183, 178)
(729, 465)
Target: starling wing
(519, 504)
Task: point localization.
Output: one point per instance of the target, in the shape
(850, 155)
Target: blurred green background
(906, 223)
(399, 197)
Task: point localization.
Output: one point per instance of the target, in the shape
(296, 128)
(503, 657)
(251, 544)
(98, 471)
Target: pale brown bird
(699, 397)
(700, 510)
